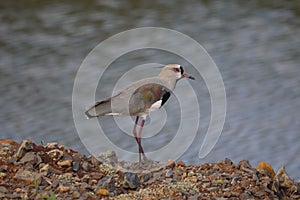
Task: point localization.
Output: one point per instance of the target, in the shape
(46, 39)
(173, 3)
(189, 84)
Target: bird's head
(175, 70)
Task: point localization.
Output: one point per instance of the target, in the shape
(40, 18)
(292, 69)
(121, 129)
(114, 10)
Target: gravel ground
(52, 171)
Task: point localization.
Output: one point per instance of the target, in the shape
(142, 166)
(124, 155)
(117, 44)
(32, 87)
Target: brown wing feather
(146, 95)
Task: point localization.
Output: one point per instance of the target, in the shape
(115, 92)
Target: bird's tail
(100, 108)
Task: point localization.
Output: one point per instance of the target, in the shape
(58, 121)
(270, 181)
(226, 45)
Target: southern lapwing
(140, 98)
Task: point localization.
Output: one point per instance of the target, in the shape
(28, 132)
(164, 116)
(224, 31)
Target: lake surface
(255, 45)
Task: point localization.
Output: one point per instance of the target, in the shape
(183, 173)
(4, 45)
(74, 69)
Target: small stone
(28, 157)
(267, 168)
(44, 168)
(24, 147)
(76, 165)
(131, 180)
(55, 183)
(52, 145)
(180, 163)
(193, 179)
(63, 188)
(85, 166)
(3, 168)
(3, 189)
(282, 180)
(228, 161)
(94, 160)
(93, 182)
(102, 192)
(169, 173)
(64, 163)
(213, 189)
(2, 175)
(109, 157)
(75, 195)
(107, 183)
(245, 165)
(226, 176)
(55, 154)
(146, 177)
(28, 176)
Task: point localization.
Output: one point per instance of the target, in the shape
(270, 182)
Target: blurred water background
(255, 44)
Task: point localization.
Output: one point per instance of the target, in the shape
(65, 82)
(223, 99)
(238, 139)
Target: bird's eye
(176, 70)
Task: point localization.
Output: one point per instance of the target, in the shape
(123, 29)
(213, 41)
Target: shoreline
(53, 171)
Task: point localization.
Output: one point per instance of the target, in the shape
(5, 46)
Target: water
(255, 45)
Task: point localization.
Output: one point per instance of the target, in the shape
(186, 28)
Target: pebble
(169, 173)
(63, 188)
(102, 192)
(24, 147)
(109, 157)
(64, 163)
(28, 157)
(2, 175)
(28, 176)
(76, 165)
(75, 195)
(131, 180)
(146, 177)
(106, 183)
(94, 160)
(44, 168)
(55, 154)
(85, 166)
(180, 163)
(52, 145)
(3, 189)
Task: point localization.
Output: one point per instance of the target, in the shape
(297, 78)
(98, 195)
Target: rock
(180, 163)
(145, 177)
(28, 176)
(106, 183)
(245, 165)
(24, 147)
(228, 161)
(85, 166)
(102, 192)
(2, 175)
(109, 157)
(93, 160)
(31, 157)
(55, 183)
(213, 189)
(131, 180)
(64, 163)
(63, 188)
(75, 195)
(266, 168)
(52, 145)
(3, 168)
(3, 189)
(169, 173)
(76, 165)
(283, 183)
(44, 168)
(55, 154)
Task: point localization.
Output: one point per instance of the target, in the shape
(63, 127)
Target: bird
(140, 98)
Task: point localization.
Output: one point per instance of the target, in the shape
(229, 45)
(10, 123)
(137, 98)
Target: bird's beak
(186, 75)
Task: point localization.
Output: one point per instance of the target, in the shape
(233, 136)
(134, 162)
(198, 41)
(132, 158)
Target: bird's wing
(145, 96)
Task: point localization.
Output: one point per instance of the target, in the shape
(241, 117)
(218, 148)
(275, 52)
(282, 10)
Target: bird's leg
(138, 138)
(141, 151)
